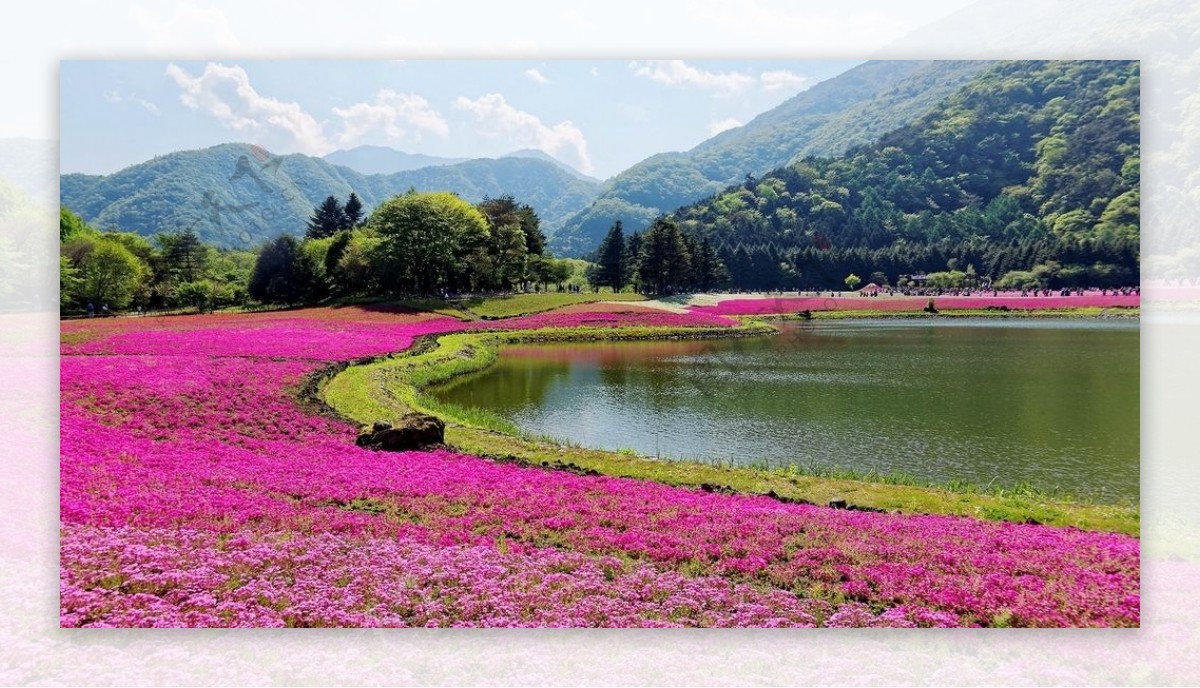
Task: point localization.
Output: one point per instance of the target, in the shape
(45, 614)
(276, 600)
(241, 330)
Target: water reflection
(1050, 403)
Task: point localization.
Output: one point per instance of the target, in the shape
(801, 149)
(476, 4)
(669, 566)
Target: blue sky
(600, 116)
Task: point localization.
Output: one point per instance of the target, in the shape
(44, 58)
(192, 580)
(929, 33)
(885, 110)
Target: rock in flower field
(197, 491)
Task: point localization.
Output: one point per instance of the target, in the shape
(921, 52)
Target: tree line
(661, 260)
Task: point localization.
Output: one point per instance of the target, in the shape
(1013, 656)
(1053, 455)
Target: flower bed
(196, 492)
(784, 305)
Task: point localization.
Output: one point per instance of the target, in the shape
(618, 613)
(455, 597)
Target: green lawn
(494, 307)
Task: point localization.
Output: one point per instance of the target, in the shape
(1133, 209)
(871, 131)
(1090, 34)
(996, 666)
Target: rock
(413, 431)
(838, 504)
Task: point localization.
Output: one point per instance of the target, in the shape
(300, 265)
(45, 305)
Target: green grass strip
(385, 388)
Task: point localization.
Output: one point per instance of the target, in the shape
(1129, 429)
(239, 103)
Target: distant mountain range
(384, 160)
(853, 108)
(238, 195)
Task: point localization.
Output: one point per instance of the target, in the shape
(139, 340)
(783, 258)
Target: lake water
(1051, 403)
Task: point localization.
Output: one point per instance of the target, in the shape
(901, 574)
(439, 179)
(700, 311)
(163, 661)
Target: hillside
(1031, 163)
(236, 195)
(850, 109)
(384, 160)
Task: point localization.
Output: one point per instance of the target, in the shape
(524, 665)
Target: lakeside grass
(387, 387)
(496, 307)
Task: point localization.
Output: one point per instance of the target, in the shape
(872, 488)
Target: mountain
(1032, 163)
(384, 160)
(852, 108)
(543, 155)
(237, 195)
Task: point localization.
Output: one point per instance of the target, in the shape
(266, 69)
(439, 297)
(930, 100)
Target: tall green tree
(708, 270)
(352, 212)
(664, 265)
(327, 219)
(110, 274)
(282, 273)
(612, 267)
(424, 235)
(184, 256)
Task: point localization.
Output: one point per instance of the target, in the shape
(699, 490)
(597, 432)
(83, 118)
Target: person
(104, 309)
(91, 310)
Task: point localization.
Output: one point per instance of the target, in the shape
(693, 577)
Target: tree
(71, 226)
(423, 234)
(70, 284)
(611, 260)
(110, 274)
(509, 253)
(708, 270)
(353, 212)
(327, 219)
(504, 210)
(184, 256)
(852, 281)
(664, 264)
(282, 273)
(199, 294)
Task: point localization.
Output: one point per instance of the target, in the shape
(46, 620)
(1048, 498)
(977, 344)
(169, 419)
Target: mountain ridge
(851, 108)
(239, 195)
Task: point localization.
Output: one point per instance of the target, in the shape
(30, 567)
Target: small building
(871, 288)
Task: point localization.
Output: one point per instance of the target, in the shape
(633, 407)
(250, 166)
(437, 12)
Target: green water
(1048, 403)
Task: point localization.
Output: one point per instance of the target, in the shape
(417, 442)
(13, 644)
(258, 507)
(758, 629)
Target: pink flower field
(197, 491)
(783, 305)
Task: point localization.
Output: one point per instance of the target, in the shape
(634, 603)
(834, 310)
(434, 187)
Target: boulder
(413, 431)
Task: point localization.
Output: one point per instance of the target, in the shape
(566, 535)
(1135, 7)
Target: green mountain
(852, 108)
(1030, 164)
(384, 160)
(237, 195)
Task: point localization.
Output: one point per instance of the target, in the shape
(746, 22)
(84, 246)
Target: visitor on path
(91, 310)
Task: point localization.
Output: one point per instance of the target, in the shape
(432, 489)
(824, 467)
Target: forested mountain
(237, 195)
(384, 160)
(1031, 166)
(852, 108)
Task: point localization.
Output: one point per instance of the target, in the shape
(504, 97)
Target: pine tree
(353, 212)
(327, 219)
(708, 270)
(664, 263)
(612, 269)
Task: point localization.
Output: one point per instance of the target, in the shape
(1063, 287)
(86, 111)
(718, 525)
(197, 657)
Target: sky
(599, 116)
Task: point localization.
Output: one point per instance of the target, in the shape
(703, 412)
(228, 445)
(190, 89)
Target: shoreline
(384, 387)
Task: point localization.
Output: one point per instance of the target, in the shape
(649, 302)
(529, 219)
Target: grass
(494, 307)
(387, 387)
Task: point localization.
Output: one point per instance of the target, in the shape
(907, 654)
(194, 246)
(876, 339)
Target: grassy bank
(495, 307)
(387, 387)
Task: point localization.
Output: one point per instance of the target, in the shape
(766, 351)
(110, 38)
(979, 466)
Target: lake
(1051, 403)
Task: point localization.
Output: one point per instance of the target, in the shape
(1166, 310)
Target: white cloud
(535, 75)
(680, 74)
(226, 94)
(721, 125)
(398, 116)
(497, 118)
(779, 79)
(116, 97)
